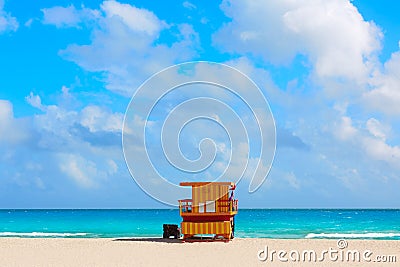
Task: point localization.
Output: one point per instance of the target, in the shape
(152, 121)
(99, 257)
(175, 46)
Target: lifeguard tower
(211, 211)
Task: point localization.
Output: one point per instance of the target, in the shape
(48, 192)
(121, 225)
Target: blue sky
(329, 69)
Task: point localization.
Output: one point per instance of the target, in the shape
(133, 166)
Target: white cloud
(189, 5)
(58, 126)
(97, 119)
(53, 126)
(332, 34)
(129, 36)
(7, 22)
(371, 141)
(34, 101)
(65, 91)
(125, 47)
(376, 128)
(63, 17)
(12, 130)
(336, 37)
(355, 145)
(73, 143)
(6, 112)
(385, 93)
(345, 130)
(341, 47)
(379, 150)
(81, 170)
(137, 19)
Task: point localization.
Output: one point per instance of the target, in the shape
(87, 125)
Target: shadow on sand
(150, 239)
(171, 240)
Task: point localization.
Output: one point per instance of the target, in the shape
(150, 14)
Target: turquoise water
(263, 223)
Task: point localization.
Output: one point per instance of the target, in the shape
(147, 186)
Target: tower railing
(231, 205)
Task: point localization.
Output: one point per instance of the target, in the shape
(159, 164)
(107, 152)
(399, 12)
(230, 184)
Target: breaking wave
(40, 234)
(353, 235)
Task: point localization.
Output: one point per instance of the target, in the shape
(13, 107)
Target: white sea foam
(40, 234)
(353, 235)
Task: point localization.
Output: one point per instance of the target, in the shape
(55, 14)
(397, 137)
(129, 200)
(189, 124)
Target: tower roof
(206, 183)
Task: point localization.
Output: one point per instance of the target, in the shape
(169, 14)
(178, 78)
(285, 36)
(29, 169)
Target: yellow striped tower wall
(197, 228)
(210, 192)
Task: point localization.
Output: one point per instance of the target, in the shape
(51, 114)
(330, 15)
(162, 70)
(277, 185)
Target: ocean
(250, 223)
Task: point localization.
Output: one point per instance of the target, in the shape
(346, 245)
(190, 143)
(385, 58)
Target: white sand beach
(159, 252)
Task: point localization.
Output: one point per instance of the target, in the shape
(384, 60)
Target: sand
(160, 252)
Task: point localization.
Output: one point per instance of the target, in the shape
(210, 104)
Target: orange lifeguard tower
(211, 210)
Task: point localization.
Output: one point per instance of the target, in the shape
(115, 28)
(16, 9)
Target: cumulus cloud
(376, 128)
(378, 149)
(82, 145)
(384, 95)
(353, 147)
(12, 130)
(337, 38)
(340, 48)
(330, 142)
(332, 34)
(345, 130)
(130, 39)
(96, 119)
(58, 126)
(371, 141)
(64, 17)
(337, 145)
(83, 171)
(7, 22)
(137, 19)
(35, 101)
